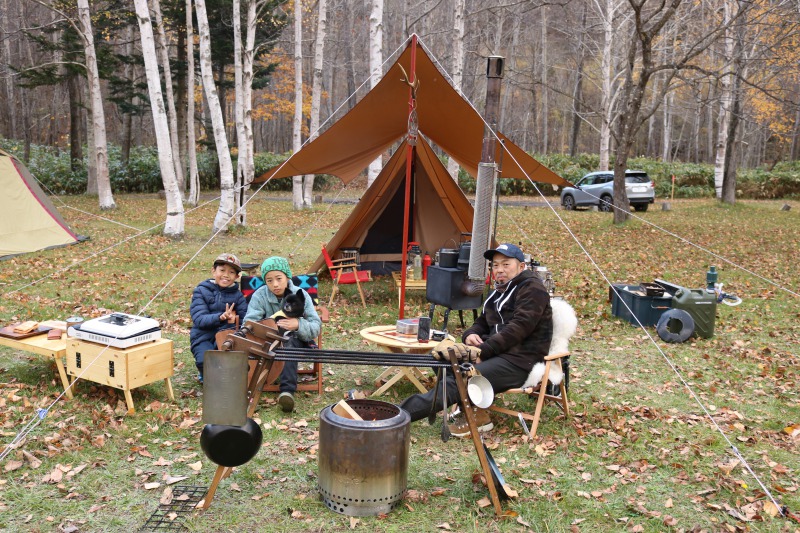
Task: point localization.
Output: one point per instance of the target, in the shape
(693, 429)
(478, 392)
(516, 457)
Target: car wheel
(568, 202)
(606, 203)
(640, 207)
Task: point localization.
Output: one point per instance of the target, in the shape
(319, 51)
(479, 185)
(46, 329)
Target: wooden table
(40, 345)
(393, 345)
(411, 284)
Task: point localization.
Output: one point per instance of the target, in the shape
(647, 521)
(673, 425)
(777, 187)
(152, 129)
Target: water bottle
(711, 278)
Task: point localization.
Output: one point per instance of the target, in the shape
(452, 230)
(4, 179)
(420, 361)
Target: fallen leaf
(443, 525)
(166, 496)
(484, 502)
(171, 480)
(668, 503)
(297, 514)
(523, 522)
(152, 485)
(670, 521)
(13, 465)
(196, 466)
(354, 522)
(172, 516)
(32, 459)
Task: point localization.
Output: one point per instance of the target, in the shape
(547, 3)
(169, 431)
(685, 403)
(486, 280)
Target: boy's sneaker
(200, 378)
(460, 428)
(286, 402)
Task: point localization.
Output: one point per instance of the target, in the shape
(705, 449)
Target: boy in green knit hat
(268, 300)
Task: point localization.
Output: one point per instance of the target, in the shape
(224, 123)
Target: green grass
(639, 454)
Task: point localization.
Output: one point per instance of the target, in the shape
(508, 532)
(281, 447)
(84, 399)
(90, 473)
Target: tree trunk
(173, 227)
(163, 54)
(607, 75)
(191, 144)
(545, 90)
(316, 92)
(238, 111)
(91, 161)
(297, 141)
(725, 99)
(100, 147)
(248, 163)
(375, 72)
(739, 69)
(127, 118)
(75, 148)
(11, 108)
(225, 211)
(459, 13)
(577, 90)
(666, 140)
(180, 99)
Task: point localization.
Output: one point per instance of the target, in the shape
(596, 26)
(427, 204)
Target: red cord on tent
(412, 104)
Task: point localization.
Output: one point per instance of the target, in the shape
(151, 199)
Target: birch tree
(99, 147)
(226, 209)
(163, 54)
(608, 15)
(375, 66)
(459, 13)
(248, 61)
(242, 155)
(725, 99)
(316, 91)
(173, 226)
(297, 181)
(191, 147)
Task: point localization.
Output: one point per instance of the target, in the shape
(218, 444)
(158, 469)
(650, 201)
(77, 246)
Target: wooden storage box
(122, 368)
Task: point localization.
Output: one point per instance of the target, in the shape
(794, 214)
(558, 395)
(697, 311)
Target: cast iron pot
(448, 258)
(231, 445)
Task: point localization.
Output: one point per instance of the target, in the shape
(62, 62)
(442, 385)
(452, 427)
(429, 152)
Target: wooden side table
(40, 345)
(411, 284)
(122, 368)
(375, 335)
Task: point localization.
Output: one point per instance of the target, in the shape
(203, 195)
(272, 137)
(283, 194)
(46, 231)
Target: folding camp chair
(345, 272)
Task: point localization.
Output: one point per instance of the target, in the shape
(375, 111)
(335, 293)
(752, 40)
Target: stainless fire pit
(363, 465)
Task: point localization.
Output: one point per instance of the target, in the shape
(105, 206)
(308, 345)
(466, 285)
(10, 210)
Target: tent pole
(409, 158)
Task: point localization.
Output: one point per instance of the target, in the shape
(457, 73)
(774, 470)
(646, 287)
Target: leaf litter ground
(639, 454)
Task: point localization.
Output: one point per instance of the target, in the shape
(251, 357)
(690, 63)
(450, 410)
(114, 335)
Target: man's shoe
(460, 428)
(286, 401)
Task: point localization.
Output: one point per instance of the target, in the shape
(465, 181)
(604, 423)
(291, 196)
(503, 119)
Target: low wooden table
(122, 368)
(393, 345)
(411, 284)
(40, 345)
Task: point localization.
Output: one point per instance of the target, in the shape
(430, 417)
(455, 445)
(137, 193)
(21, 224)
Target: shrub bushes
(51, 166)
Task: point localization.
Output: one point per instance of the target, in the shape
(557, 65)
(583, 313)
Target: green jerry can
(700, 303)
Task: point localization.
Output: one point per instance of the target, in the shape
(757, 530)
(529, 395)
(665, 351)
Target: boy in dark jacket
(512, 334)
(216, 304)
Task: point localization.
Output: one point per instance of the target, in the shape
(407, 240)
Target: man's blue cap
(508, 250)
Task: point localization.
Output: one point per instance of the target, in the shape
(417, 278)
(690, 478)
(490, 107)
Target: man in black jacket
(513, 333)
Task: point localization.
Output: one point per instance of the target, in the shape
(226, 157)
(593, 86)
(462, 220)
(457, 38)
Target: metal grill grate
(162, 519)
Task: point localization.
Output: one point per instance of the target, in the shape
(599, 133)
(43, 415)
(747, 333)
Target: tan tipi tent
(30, 222)
(439, 211)
(381, 119)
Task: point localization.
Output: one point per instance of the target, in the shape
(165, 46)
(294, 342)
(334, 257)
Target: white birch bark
(238, 111)
(225, 211)
(11, 108)
(725, 100)
(666, 140)
(100, 147)
(606, 82)
(458, 65)
(375, 61)
(193, 197)
(316, 92)
(248, 164)
(297, 181)
(173, 226)
(172, 114)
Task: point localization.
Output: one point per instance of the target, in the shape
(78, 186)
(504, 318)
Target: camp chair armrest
(555, 356)
(340, 267)
(343, 259)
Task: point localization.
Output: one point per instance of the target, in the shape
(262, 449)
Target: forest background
(565, 87)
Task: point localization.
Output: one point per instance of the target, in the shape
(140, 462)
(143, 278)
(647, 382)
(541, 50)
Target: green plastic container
(700, 303)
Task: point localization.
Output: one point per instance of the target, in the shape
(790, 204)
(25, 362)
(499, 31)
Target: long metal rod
(357, 358)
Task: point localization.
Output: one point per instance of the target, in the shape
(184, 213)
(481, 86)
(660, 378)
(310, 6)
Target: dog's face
(294, 305)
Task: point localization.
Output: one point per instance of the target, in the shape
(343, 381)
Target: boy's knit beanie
(276, 263)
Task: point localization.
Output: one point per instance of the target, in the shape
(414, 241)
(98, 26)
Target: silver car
(597, 188)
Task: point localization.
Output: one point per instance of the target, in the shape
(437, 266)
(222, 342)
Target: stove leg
(221, 473)
(446, 319)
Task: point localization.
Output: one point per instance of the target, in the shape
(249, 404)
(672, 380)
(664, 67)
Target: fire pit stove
(363, 464)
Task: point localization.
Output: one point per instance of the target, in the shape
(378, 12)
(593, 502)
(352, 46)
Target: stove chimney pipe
(485, 190)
